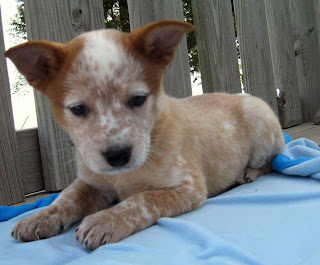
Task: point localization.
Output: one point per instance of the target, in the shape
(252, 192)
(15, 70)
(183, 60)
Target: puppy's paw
(251, 174)
(246, 176)
(41, 225)
(102, 228)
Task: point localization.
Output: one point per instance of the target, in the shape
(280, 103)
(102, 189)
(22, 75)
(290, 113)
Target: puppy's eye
(80, 110)
(137, 101)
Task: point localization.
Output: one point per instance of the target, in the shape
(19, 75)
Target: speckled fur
(184, 150)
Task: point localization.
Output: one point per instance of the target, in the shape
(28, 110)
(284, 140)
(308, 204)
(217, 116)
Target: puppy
(155, 155)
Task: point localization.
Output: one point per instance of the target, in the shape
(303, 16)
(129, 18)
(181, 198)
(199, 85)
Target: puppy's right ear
(38, 61)
(160, 39)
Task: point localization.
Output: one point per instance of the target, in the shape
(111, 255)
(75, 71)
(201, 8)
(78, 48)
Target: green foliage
(20, 85)
(191, 38)
(116, 14)
(18, 24)
(19, 32)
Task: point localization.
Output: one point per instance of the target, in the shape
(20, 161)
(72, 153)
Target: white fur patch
(121, 136)
(104, 58)
(228, 126)
(108, 119)
(103, 61)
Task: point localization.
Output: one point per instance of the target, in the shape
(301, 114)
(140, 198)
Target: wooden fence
(279, 48)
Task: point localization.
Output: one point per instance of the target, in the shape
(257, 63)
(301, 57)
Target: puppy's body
(218, 135)
(170, 153)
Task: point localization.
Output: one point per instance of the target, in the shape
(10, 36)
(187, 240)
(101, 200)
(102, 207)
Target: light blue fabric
(287, 137)
(8, 212)
(301, 157)
(274, 221)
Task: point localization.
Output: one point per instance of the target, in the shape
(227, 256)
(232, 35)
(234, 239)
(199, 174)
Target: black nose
(117, 156)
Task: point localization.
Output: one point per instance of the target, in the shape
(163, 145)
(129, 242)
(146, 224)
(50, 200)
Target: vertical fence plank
(307, 56)
(58, 20)
(177, 81)
(11, 190)
(30, 160)
(255, 50)
(216, 46)
(283, 61)
(317, 12)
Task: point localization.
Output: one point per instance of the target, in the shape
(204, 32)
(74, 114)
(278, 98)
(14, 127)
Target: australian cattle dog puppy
(154, 155)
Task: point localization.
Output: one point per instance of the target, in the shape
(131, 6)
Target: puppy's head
(105, 89)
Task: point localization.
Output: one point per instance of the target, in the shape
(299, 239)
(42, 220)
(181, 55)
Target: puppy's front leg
(74, 203)
(135, 214)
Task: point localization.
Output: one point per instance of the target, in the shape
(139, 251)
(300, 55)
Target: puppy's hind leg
(266, 138)
(251, 174)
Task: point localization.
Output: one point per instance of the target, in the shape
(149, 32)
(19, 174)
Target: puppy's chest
(166, 174)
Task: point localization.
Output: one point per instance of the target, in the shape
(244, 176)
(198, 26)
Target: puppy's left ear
(160, 39)
(38, 61)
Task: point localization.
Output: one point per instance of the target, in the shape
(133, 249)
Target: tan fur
(196, 147)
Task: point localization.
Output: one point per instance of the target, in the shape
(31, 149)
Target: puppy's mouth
(117, 171)
(117, 162)
(107, 170)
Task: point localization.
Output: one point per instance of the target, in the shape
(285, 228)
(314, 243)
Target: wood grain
(11, 190)
(307, 56)
(317, 13)
(177, 81)
(58, 20)
(305, 130)
(31, 198)
(283, 61)
(216, 46)
(30, 160)
(255, 50)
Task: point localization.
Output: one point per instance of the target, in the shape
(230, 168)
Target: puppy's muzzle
(117, 156)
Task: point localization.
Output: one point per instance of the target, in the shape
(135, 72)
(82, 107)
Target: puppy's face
(109, 107)
(105, 89)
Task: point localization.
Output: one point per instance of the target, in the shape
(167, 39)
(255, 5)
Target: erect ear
(38, 61)
(160, 39)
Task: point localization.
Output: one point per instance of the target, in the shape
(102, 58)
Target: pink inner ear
(32, 62)
(28, 56)
(163, 41)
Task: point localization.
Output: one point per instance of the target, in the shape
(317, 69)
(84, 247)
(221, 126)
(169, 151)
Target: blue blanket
(8, 212)
(301, 157)
(274, 220)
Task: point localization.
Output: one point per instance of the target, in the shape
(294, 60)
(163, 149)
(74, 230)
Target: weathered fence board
(216, 46)
(177, 81)
(255, 50)
(10, 175)
(307, 56)
(30, 160)
(317, 13)
(283, 61)
(58, 21)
